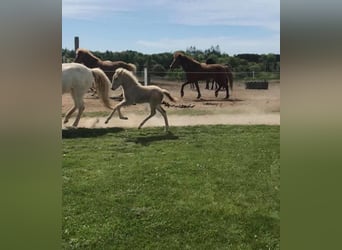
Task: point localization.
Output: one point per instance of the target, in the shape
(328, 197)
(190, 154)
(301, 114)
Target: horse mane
(87, 52)
(127, 73)
(188, 63)
(178, 53)
(182, 55)
(133, 68)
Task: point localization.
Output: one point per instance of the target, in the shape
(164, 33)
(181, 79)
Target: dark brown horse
(91, 61)
(210, 61)
(196, 71)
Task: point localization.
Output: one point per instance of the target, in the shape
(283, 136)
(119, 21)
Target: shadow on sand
(218, 100)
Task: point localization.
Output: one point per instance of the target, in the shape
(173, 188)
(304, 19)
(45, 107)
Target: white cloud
(262, 13)
(89, 9)
(255, 13)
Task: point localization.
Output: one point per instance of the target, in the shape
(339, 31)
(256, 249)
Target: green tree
(158, 70)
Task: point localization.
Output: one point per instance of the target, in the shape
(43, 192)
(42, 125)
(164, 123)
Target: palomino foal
(134, 92)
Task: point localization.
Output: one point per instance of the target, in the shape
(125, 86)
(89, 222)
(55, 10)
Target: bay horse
(196, 71)
(210, 61)
(134, 92)
(76, 80)
(91, 61)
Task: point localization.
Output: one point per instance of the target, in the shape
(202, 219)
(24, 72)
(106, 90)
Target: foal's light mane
(127, 74)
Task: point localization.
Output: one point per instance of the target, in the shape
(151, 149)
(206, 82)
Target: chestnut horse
(196, 71)
(210, 61)
(91, 61)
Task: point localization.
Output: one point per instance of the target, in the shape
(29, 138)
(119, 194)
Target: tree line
(265, 66)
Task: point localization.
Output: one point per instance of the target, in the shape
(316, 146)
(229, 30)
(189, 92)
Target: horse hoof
(71, 127)
(124, 118)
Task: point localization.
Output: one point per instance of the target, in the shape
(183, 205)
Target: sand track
(245, 106)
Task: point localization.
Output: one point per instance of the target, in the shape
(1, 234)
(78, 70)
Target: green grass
(202, 187)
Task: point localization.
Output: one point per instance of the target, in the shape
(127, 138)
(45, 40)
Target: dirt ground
(245, 106)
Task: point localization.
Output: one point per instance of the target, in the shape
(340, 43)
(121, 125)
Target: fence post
(77, 42)
(145, 76)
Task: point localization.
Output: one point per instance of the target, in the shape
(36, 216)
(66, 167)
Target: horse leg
(117, 107)
(227, 93)
(72, 110)
(163, 113)
(120, 114)
(216, 85)
(80, 106)
(68, 114)
(207, 84)
(198, 90)
(182, 88)
(153, 112)
(94, 91)
(78, 117)
(227, 89)
(217, 90)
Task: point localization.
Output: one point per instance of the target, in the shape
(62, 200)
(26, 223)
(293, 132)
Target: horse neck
(129, 82)
(189, 64)
(92, 62)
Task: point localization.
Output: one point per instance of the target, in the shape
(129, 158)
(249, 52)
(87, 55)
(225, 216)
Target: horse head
(86, 57)
(79, 56)
(177, 57)
(116, 80)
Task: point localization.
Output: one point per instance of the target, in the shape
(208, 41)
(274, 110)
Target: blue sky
(156, 26)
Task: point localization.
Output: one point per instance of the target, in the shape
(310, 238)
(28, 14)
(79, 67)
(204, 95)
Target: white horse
(134, 92)
(76, 80)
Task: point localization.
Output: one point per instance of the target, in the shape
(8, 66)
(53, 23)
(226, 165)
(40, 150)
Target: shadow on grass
(145, 140)
(88, 132)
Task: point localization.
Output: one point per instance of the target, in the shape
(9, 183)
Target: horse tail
(230, 77)
(102, 86)
(167, 93)
(132, 67)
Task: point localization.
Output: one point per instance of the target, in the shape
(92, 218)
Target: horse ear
(118, 71)
(180, 56)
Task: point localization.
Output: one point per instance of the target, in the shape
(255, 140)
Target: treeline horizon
(265, 65)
